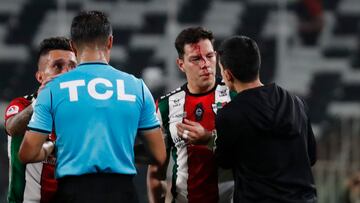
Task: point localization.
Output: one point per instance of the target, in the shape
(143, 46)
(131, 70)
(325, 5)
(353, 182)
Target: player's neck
(92, 54)
(239, 86)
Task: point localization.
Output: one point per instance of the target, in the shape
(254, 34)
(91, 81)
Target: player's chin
(209, 80)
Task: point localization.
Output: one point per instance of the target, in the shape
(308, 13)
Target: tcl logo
(73, 86)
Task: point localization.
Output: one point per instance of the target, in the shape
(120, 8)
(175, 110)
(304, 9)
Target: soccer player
(35, 182)
(187, 117)
(264, 134)
(96, 111)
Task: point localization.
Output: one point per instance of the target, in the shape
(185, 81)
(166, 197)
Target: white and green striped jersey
(195, 176)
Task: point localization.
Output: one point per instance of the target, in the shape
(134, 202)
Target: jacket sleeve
(311, 144)
(224, 142)
(310, 139)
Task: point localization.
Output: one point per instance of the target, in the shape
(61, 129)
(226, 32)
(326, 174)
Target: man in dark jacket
(264, 133)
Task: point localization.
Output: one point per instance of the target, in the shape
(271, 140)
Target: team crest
(12, 110)
(199, 112)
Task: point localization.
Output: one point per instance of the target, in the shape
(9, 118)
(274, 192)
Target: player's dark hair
(190, 36)
(53, 43)
(90, 27)
(241, 55)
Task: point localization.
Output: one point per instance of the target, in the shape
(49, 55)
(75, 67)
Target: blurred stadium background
(311, 47)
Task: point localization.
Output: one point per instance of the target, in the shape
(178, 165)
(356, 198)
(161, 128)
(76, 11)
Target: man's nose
(204, 62)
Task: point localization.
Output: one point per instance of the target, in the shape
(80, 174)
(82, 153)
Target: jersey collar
(92, 63)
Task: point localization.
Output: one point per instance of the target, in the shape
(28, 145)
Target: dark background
(310, 47)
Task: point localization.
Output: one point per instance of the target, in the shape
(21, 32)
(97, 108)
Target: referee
(96, 111)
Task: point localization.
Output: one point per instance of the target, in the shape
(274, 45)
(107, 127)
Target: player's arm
(34, 147)
(16, 125)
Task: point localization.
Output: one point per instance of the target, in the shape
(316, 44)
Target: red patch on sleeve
(16, 106)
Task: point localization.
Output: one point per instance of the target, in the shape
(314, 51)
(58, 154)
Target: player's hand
(46, 81)
(193, 132)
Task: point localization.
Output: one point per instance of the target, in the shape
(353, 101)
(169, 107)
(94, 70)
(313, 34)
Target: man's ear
(180, 64)
(73, 47)
(39, 76)
(228, 75)
(109, 42)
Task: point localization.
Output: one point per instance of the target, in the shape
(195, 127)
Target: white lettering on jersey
(121, 92)
(92, 89)
(72, 85)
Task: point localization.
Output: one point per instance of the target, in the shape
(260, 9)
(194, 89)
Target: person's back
(264, 133)
(274, 146)
(102, 107)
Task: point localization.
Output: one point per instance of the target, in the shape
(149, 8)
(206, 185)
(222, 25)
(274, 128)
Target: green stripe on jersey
(163, 106)
(174, 172)
(17, 172)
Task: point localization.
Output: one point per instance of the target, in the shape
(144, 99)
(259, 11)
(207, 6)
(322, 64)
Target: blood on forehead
(196, 48)
(199, 50)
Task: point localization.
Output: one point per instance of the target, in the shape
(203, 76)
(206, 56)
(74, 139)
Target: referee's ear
(39, 76)
(109, 42)
(73, 47)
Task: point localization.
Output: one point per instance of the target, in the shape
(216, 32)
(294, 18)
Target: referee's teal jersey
(96, 112)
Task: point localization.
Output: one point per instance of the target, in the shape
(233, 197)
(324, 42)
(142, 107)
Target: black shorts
(96, 188)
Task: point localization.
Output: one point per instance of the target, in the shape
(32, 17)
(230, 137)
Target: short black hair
(53, 43)
(241, 55)
(90, 26)
(191, 35)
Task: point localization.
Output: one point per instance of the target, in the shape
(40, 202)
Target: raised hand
(193, 132)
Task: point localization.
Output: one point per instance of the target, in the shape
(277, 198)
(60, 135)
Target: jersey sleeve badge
(14, 109)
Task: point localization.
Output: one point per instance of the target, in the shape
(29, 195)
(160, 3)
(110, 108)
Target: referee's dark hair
(90, 27)
(241, 55)
(53, 43)
(191, 35)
